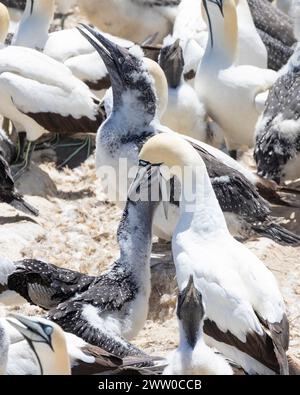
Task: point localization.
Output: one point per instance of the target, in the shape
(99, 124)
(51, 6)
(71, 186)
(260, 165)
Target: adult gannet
(132, 19)
(233, 95)
(41, 95)
(66, 46)
(277, 148)
(193, 356)
(135, 118)
(103, 310)
(185, 113)
(42, 348)
(245, 312)
(276, 31)
(192, 31)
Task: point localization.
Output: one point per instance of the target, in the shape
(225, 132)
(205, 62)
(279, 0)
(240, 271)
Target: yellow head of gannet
(4, 22)
(224, 32)
(47, 341)
(172, 151)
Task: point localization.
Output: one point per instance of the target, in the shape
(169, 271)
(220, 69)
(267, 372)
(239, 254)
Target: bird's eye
(121, 60)
(48, 330)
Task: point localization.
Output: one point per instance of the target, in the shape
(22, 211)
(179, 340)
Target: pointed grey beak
(112, 54)
(190, 311)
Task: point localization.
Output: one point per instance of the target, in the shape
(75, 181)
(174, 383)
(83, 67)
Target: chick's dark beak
(190, 311)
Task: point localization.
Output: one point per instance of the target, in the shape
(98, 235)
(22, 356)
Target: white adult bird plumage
(66, 46)
(246, 319)
(234, 96)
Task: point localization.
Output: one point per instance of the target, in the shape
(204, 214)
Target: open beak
(30, 329)
(111, 53)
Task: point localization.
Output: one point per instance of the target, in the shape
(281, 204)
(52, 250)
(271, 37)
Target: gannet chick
(185, 113)
(234, 96)
(277, 148)
(193, 356)
(245, 312)
(135, 118)
(132, 19)
(276, 31)
(105, 310)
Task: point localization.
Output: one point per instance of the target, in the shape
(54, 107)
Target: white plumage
(40, 85)
(231, 94)
(239, 292)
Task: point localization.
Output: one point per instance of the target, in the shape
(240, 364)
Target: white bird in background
(41, 95)
(251, 49)
(191, 29)
(234, 96)
(136, 19)
(185, 114)
(245, 312)
(193, 356)
(66, 46)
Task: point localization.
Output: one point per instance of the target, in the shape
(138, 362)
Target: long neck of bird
(135, 241)
(53, 363)
(200, 209)
(223, 34)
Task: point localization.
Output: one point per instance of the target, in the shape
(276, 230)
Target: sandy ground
(77, 227)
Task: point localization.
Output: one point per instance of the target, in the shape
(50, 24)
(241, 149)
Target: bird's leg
(23, 158)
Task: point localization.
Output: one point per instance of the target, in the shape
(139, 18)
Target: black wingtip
(278, 234)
